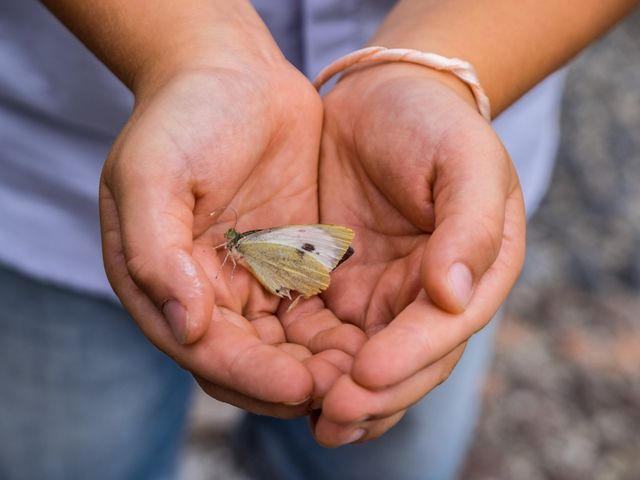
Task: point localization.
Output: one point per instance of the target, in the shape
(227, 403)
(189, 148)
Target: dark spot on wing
(308, 247)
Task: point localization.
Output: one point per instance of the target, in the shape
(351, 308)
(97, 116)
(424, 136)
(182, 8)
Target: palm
(386, 190)
(384, 275)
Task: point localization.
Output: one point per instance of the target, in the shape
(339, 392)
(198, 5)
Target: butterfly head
(232, 235)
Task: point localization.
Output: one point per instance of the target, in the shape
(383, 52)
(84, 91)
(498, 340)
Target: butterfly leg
(235, 264)
(221, 245)
(294, 303)
(226, 257)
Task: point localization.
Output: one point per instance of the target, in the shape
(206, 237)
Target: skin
(423, 212)
(407, 160)
(159, 184)
(222, 119)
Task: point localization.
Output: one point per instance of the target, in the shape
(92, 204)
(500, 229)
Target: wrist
(362, 77)
(146, 43)
(239, 43)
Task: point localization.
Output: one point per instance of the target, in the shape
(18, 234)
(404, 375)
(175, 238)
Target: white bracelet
(460, 68)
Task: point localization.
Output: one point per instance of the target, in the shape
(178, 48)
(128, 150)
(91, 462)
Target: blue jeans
(84, 395)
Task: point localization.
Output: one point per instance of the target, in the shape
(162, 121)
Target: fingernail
(462, 282)
(355, 436)
(176, 316)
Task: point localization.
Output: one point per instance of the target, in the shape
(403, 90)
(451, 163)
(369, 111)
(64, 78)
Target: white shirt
(61, 109)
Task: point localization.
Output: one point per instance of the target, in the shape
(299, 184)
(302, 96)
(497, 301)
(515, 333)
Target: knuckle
(486, 235)
(418, 337)
(140, 269)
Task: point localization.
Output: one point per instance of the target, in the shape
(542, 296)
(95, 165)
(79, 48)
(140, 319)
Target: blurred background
(562, 401)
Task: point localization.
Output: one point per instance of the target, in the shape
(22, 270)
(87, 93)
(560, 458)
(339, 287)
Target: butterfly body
(292, 258)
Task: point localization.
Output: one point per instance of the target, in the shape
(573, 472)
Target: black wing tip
(347, 255)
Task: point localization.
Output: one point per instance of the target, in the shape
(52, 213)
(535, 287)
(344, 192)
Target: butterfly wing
(295, 257)
(281, 268)
(327, 243)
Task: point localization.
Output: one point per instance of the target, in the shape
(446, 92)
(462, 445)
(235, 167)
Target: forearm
(512, 44)
(142, 42)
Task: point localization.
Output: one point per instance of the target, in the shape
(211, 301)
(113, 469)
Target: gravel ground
(562, 401)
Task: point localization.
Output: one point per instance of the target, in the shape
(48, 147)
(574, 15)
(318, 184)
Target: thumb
(148, 238)
(471, 195)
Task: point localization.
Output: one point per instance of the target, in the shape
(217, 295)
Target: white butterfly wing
(327, 243)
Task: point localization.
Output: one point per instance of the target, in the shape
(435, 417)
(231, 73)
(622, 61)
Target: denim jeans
(84, 395)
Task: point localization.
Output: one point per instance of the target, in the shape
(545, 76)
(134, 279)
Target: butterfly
(291, 258)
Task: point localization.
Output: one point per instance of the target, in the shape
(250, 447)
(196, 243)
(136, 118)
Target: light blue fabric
(82, 393)
(60, 110)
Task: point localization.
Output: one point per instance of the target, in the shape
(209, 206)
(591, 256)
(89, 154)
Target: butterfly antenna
(235, 222)
(235, 212)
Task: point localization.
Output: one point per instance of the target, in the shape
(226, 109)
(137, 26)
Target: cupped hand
(408, 162)
(241, 139)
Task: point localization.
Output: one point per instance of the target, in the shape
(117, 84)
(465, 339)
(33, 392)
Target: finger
(326, 368)
(331, 435)
(420, 336)
(306, 320)
(345, 337)
(376, 428)
(339, 359)
(279, 410)
(317, 328)
(423, 333)
(474, 179)
(146, 224)
(229, 355)
(298, 352)
(349, 403)
(268, 328)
